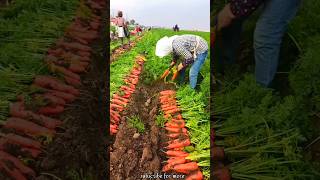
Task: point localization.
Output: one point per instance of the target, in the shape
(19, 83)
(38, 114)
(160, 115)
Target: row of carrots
(31, 125)
(179, 139)
(218, 155)
(120, 100)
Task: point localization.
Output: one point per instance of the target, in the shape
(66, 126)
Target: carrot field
(270, 133)
(156, 125)
(52, 75)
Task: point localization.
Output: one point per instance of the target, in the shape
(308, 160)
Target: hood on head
(164, 46)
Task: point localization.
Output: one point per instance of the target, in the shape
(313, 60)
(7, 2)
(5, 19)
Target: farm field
(156, 125)
(264, 133)
(52, 74)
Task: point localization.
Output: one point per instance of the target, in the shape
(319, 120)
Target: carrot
(166, 72)
(23, 141)
(120, 98)
(222, 174)
(176, 153)
(195, 176)
(191, 166)
(175, 75)
(119, 102)
(83, 53)
(74, 46)
(175, 125)
(87, 36)
(176, 130)
(176, 135)
(179, 144)
(68, 56)
(58, 69)
(172, 111)
(115, 118)
(55, 84)
(12, 172)
(169, 108)
(179, 117)
(17, 163)
(51, 110)
(17, 110)
(217, 153)
(76, 68)
(72, 82)
(113, 131)
(166, 168)
(66, 96)
(127, 88)
(78, 39)
(176, 161)
(27, 127)
(33, 152)
(55, 52)
(167, 92)
(120, 108)
(53, 100)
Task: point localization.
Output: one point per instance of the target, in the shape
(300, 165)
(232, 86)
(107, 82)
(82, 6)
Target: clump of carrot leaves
(136, 122)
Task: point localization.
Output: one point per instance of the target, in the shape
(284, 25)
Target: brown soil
(120, 50)
(80, 152)
(131, 157)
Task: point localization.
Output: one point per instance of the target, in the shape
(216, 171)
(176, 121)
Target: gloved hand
(225, 17)
(172, 64)
(180, 66)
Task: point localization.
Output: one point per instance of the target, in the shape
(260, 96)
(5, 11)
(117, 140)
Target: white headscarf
(164, 46)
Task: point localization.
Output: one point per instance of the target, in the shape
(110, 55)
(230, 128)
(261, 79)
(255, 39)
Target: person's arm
(243, 8)
(182, 51)
(236, 9)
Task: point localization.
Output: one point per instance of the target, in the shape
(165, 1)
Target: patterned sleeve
(181, 50)
(242, 8)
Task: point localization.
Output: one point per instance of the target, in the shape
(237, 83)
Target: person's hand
(225, 17)
(180, 66)
(172, 63)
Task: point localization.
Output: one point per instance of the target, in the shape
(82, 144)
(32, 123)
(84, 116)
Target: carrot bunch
(69, 57)
(179, 138)
(120, 100)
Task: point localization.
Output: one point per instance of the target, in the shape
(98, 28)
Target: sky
(188, 14)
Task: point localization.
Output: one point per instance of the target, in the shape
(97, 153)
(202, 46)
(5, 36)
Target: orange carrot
(175, 161)
(172, 111)
(195, 176)
(50, 110)
(174, 125)
(178, 144)
(175, 75)
(191, 166)
(119, 102)
(167, 92)
(176, 153)
(165, 73)
(166, 168)
(27, 127)
(176, 130)
(120, 98)
(17, 163)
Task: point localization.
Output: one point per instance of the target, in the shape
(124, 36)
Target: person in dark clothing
(270, 28)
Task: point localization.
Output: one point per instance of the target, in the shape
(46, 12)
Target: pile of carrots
(69, 57)
(218, 155)
(179, 139)
(120, 100)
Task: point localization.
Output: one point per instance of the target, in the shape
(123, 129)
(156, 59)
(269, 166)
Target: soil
(120, 50)
(80, 152)
(133, 154)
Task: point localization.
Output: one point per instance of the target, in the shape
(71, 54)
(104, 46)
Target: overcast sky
(188, 14)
